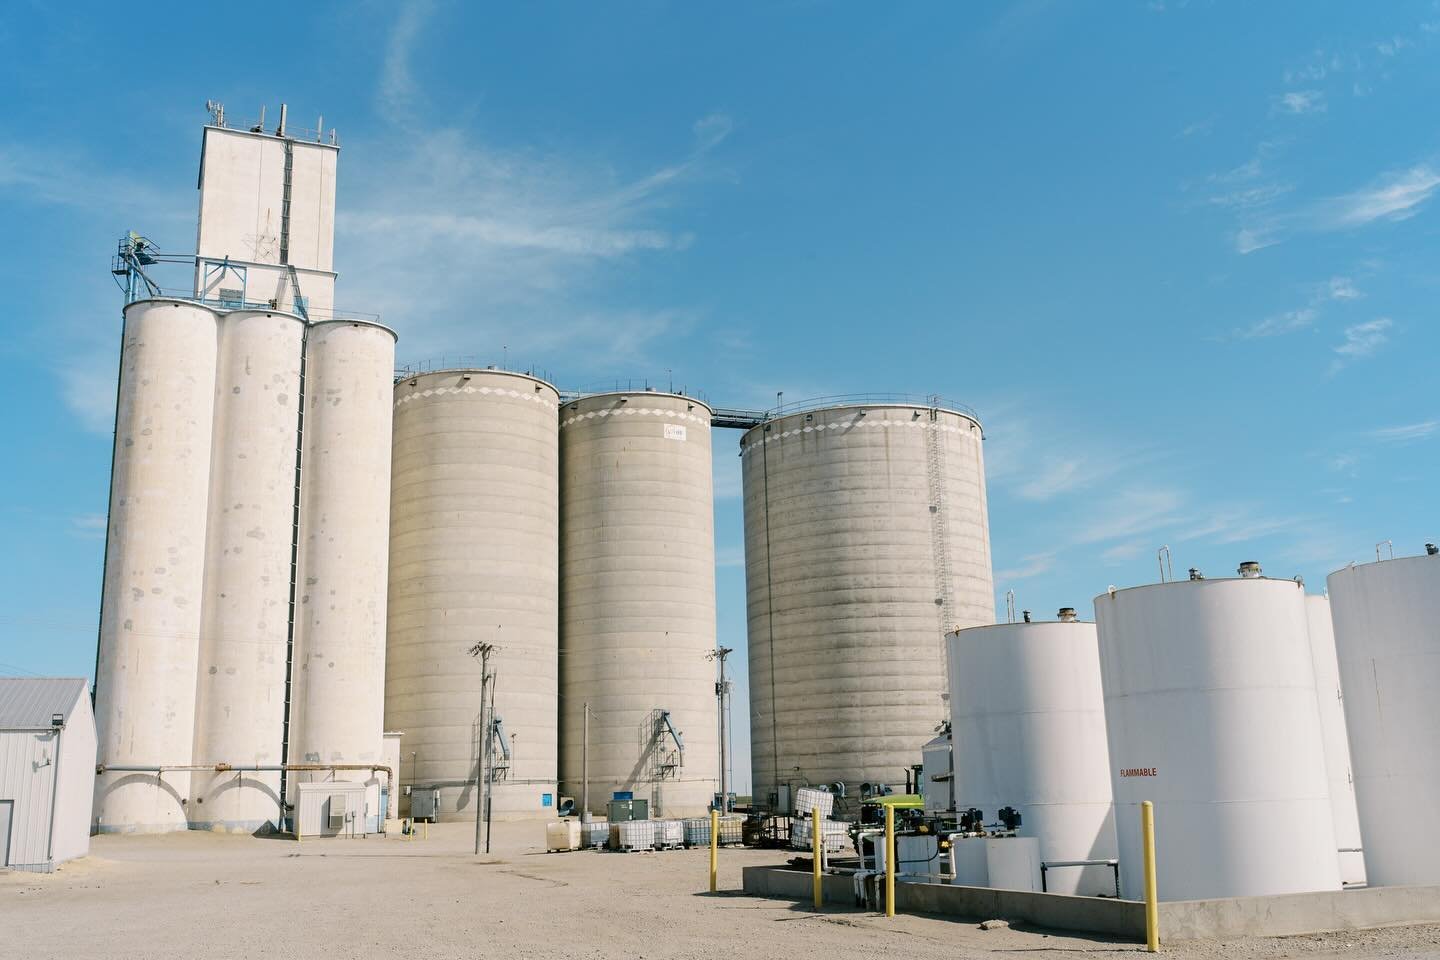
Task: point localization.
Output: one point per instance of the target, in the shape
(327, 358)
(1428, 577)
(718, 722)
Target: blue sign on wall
(546, 799)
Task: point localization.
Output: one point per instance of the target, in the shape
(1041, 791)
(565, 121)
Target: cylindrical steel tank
(1387, 635)
(637, 601)
(475, 557)
(155, 564)
(866, 542)
(1028, 722)
(338, 686)
(1337, 747)
(1211, 713)
(240, 696)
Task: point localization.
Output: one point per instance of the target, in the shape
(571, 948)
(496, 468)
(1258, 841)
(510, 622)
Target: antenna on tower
(217, 112)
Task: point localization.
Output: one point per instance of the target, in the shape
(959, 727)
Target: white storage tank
(154, 564)
(866, 542)
(1387, 635)
(338, 686)
(1028, 726)
(1211, 713)
(475, 556)
(240, 693)
(1337, 747)
(637, 601)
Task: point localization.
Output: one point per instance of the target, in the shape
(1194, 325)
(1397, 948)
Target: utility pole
(585, 769)
(489, 761)
(722, 693)
(483, 651)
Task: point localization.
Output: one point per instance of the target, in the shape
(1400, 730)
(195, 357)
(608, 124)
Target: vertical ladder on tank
(939, 540)
(285, 201)
(294, 579)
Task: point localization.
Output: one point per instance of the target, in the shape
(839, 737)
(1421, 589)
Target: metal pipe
(54, 796)
(162, 768)
(585, 769)
(1045, 865)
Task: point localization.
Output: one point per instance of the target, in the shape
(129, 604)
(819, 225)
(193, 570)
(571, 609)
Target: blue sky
(1181, 257)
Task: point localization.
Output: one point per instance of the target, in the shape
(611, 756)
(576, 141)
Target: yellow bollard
(714, 850)
(889, 860)
(817, 852)
(1152, 904)
(427, 829)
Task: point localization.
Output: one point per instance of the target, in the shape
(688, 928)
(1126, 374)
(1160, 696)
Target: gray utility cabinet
(622, 810)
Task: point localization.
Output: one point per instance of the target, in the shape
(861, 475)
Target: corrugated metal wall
(27, 776)
(29, 772)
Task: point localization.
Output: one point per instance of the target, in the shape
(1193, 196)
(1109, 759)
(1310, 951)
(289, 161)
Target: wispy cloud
(1250, 185)
(1362, 340)
(1407, 432)
(1198, 128)
(88, 526)
(1300, 102)
(1395, 196)
(512, 245)
(1281, 323)
(1343, 463)
(1301, 318)
(1030, 565)
(1067, 473)
(87, 385)
(1341, 288)
(397, 92)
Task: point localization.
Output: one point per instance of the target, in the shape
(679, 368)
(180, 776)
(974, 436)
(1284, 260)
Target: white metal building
(47, 771)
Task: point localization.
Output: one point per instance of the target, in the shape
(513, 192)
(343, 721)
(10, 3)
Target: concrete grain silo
(637, 601)
(240, 694)
(866, 542)
(475, 557)
(154, 564)
(338, 686)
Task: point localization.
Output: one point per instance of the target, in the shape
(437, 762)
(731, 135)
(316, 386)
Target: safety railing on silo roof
(930, 400)
(664, 384)
(466, 361)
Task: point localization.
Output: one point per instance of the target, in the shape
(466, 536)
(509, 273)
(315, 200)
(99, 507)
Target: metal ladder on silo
(939, 540)
(285, 200)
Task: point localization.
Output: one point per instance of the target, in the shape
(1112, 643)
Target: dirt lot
(218, 896)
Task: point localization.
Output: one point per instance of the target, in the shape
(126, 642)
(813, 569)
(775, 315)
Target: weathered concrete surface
(1295, 913)
(1276, 916)
(1123, 918)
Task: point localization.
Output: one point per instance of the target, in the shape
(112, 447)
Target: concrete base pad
(1275, 916)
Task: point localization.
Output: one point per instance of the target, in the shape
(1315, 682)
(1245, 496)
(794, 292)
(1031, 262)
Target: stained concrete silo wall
(338, 687)
(474, 557)
(154, 564)
(240, 694)
(637, 600)
(866, 541)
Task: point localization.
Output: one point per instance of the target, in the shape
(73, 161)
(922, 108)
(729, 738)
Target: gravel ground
(214, 896)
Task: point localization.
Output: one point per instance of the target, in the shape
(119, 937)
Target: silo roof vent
(1250, 570)
(1067, 615)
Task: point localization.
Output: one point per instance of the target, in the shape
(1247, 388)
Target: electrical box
(425, 803)
(620, 811)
